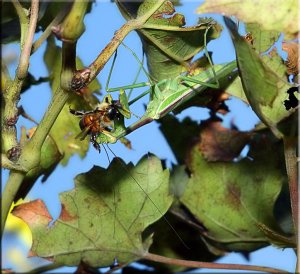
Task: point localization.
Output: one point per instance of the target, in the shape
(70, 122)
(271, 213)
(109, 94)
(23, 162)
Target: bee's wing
(83, 133)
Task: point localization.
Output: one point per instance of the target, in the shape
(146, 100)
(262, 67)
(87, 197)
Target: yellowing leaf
(14, 224)
(264, 81)
(275, 15)
(292, 62)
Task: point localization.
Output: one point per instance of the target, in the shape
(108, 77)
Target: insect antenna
(157, 208)
(107, 154)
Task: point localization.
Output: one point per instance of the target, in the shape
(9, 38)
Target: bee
(99, 121)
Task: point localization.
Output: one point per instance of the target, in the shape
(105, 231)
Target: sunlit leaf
(263, 80)
(270, 14)
(262, 39)
(103, 217)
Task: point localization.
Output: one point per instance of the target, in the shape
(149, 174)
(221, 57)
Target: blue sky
(92, 42)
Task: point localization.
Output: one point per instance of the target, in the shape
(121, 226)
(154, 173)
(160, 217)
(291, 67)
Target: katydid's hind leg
(134, 85)
(215, 85)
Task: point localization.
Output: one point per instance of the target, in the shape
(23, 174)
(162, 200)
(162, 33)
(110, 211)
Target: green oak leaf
(103, 217)
(262, 39)
(235, 200)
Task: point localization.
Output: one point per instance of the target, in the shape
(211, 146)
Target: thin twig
(45, 268)
(58, 18)
(25, 54)
(195, 264)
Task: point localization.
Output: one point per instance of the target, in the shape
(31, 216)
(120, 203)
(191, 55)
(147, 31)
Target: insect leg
(76, 112)
(94, 142)
(193, 80)
(135, 85)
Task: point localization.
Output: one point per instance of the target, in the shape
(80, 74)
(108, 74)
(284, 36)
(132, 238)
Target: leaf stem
(291, 168)
(20, 11)
(195, 264)
(45, 268)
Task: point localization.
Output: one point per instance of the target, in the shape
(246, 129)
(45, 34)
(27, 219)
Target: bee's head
(113, 111)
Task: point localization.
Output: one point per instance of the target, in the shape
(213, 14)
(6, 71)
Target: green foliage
(103, 217)
(227, 198)
(168, 45)
(264, 82)
(215, 200)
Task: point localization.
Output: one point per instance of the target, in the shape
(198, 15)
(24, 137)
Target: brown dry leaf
(34, 212)
(221, 144)
(292, 64)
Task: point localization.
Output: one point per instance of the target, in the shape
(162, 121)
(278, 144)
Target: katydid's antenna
(139, 185)
(107, 155)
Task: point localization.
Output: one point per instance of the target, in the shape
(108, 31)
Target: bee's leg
(94, 142)
(76, 112)
(115, 265)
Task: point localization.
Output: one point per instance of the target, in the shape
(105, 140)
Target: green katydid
(168, 94)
